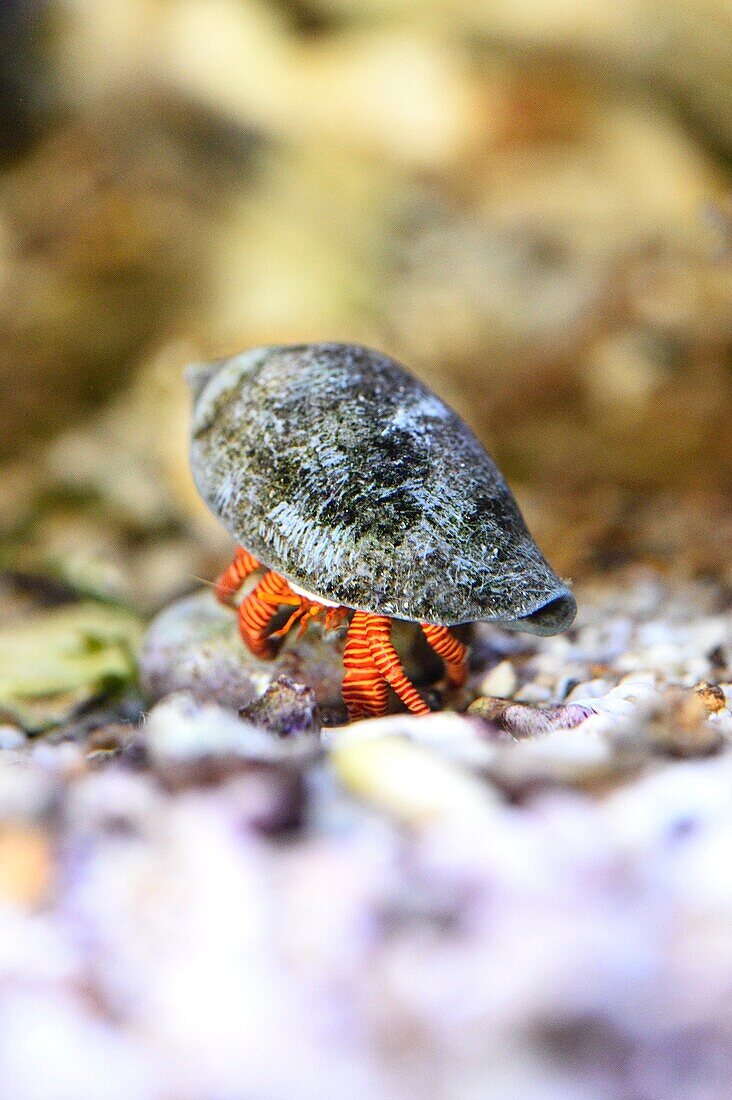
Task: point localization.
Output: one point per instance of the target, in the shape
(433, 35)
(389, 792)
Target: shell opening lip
(551, 617)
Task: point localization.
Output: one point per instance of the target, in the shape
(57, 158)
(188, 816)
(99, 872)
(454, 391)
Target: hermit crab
(361, 495)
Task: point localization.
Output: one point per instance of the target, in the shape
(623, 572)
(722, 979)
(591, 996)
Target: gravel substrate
(529, 900)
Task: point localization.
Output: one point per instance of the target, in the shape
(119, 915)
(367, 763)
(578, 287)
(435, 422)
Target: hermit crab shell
(338, 469)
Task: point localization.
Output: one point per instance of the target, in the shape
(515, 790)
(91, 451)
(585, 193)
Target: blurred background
(527, 203)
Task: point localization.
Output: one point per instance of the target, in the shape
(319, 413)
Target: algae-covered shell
(338, 469)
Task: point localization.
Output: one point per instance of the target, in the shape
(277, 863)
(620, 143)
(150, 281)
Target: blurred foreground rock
(228, 902)
(196, 905)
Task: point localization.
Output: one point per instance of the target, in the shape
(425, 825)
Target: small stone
(532, 693)
(285, 709)
(523, 721)
(491, 708)
(404, 778)
(588, 689)
(25, 863)
(680, 726)
(191, 742)
(501, 682)
(565, 686)
(108, 742)
(181, 727)
(26, 792)
(11, 737)
(711, 696)
(564, 756)
(718, 657)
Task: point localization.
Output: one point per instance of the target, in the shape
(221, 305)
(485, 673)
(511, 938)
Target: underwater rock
(416, 769)
(501, 681)
(681, 724)
(193, 745)
(711, 696)
(11, 737)
(194, 646)
(183, 729)
(286, 708)
(521, 720)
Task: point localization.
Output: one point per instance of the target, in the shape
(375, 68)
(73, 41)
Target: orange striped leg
(453, 653)
(257, 610)
(386, 660)
(233, 577)
(364, 689)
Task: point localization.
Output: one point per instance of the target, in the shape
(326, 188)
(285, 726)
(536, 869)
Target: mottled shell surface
(338, 469)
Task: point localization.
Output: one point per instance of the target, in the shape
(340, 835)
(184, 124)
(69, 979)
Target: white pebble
(590, 689)
(501, 681)
(533, 693)
(182, 728)
(11, 738)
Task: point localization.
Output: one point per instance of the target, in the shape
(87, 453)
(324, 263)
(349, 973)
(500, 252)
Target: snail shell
(338, 469)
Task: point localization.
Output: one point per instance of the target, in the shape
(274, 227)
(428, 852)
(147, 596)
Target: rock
(533, 693)
(192, 743)
(25, 864)
(27, 792)
(111, 741)
(182, 728)
(523, 721)
(501, 681)
(11, 737)
(194, 646)
(390, 765)
(269, 799)
(680, 725)
(588, 689)
(286, 709)
(561, 757)
(711, 696)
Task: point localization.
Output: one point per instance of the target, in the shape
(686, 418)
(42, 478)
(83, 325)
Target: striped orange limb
(364, 690)
(371, 662)
(257, 610)
(233, 577)
(309, 611)
(453, 653)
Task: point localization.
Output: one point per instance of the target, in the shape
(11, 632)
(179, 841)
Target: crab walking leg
(453, 652)
(364, 689)
(386, 660)
(257, 610)
(233, 577)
